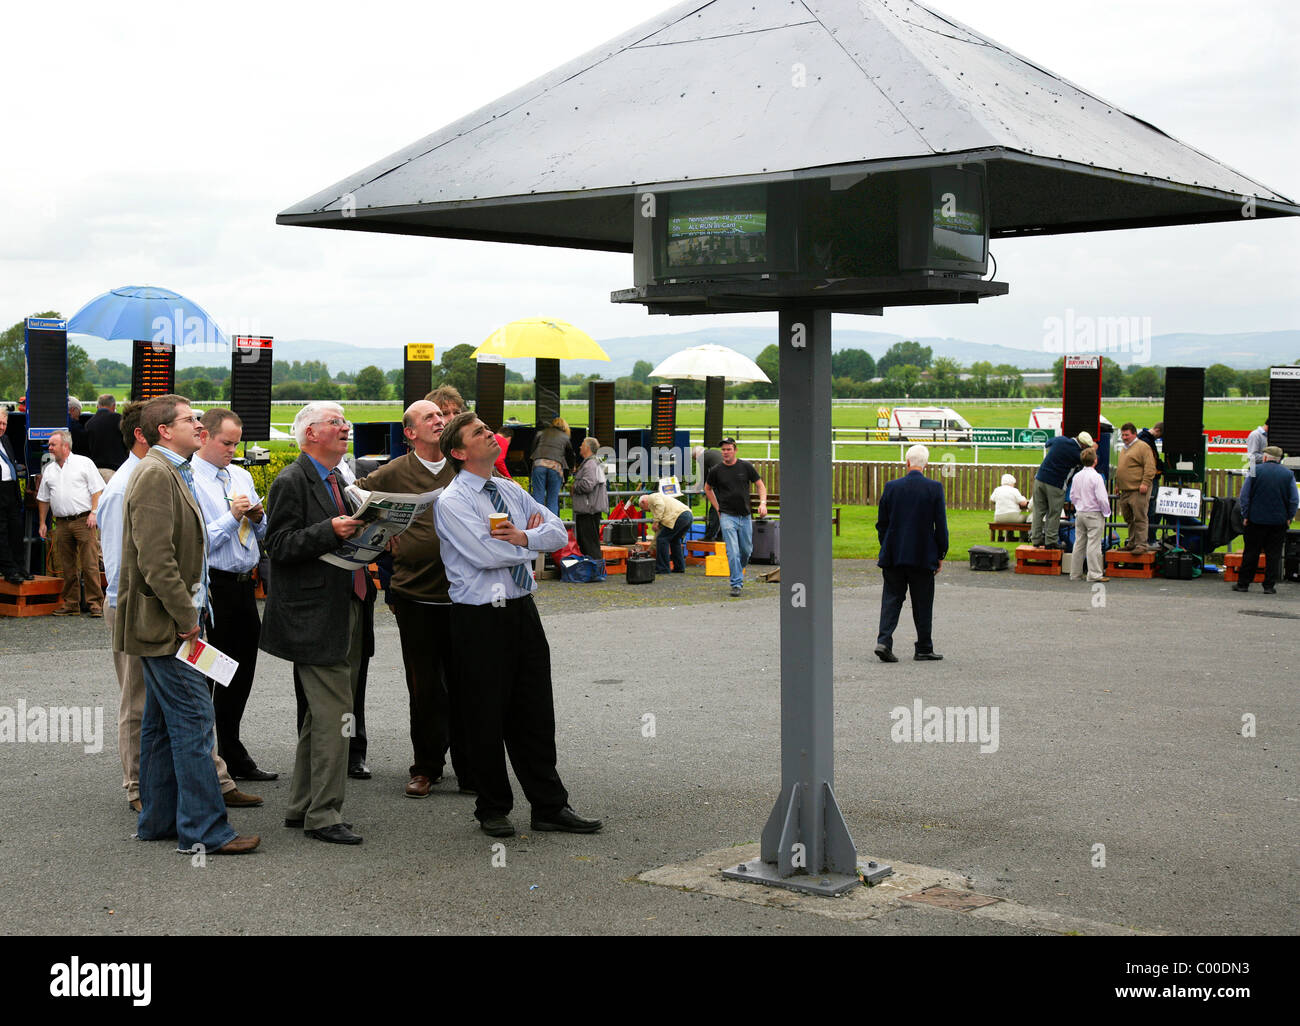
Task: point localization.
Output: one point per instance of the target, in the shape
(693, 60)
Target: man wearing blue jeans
(162, 588)
(727, 489)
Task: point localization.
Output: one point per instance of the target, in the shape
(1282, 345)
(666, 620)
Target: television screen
(718, 228)
(959, 218)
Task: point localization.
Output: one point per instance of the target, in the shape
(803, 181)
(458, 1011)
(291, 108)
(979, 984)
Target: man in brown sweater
(419, 598)
(1134, 473)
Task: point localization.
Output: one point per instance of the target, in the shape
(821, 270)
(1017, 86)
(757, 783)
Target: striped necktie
(358, 575)
(519, 571)
(187, 475)
(245, 527)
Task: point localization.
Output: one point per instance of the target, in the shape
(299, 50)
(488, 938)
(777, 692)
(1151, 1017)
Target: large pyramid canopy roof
(757, 90)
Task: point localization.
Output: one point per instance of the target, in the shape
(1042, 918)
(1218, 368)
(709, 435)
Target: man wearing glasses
(162, 592)
(315, 616)
(235, 524)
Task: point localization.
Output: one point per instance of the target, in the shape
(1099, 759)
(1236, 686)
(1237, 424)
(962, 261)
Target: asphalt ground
(1120, 724)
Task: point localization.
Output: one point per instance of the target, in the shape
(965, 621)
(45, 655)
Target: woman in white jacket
(1009, 506)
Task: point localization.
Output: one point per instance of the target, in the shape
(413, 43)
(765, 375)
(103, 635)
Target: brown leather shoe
(239, 845)
(95, 611)
(418, 787)
(135, 805)
(68, 611)
(237, 799)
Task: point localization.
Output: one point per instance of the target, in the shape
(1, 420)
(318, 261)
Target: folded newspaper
(386, 515)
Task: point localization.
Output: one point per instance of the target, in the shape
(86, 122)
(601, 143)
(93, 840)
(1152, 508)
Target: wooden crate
(1033, 559)
(31, 598)
(1141, 565)
(615, 557)
(698, 551)
(1232, 568)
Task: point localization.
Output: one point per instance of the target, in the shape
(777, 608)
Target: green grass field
(754, 422)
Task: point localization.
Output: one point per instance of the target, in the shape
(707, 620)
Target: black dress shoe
(922, 657)
(337, 833)
(29, 577)
(14, 578)
(358, 770)
(1241, 586)
(1269, 590)
(296, 824)
(885, 655)
(497, 826)
(255, 774)
(568, 821)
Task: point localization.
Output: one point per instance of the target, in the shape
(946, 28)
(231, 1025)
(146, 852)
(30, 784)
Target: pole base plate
(826, 884)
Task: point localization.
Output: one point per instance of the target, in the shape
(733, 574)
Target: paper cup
(495, 520)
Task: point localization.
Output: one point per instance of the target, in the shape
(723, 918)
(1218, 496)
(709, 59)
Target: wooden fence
(966, 486)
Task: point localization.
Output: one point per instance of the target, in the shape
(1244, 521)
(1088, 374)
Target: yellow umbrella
(542, 337)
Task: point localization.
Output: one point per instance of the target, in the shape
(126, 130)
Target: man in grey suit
(314, 617)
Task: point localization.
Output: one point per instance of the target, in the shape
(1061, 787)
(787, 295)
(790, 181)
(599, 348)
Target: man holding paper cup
(162, 589)
(491, 530)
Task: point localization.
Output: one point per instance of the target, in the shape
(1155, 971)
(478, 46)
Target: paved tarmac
(1119, 725)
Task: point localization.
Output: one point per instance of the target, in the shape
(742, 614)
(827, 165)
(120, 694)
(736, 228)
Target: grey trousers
(1045, 528)
(320, 766)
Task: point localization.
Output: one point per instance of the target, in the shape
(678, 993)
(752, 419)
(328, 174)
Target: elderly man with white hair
(315, 615)
(913, 527)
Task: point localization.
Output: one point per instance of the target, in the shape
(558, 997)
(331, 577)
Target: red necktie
(358, 576)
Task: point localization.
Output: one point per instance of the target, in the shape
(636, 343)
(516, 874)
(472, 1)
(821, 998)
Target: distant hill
(1242, 351)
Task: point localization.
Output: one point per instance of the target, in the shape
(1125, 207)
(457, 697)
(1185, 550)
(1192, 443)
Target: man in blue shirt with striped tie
(502, 662)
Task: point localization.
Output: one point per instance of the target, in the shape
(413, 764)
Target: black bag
(620, 532)
(640, 569)
(767, 541)
(988, 557)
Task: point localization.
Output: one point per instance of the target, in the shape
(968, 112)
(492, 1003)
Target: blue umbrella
(148, 314)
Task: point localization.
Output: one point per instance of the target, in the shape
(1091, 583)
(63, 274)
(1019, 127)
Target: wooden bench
(774, 508)
(997, 531)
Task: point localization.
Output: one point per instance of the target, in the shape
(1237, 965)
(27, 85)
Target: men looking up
(70, 487)
(1268, 501)
(235, 523)
(314, 616)
(162, 590)
(1062, 456)
(1135, 470)
(727, 489)
(129, 668)
(502, 661)
(419, 597)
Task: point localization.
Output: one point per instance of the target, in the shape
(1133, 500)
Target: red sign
(1227, 441)
(252, 341)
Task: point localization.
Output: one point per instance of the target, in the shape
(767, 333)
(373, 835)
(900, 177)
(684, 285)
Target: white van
(928, 424)
(1049, 418)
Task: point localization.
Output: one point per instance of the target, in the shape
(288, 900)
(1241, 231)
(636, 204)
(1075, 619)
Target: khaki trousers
(320, 766)
(78, 548)
(130, 711)
(1089, 529)
(1133, 508)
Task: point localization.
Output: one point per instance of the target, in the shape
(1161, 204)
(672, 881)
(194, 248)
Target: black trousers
(899, 580)
(235, 629)
(11, 529)
(357, 743)
(1268, 539)
(712, 525)
(502, 672)
(436, 723)
(587, 528)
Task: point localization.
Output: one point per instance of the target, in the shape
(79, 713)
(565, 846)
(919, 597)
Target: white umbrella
(710, 361)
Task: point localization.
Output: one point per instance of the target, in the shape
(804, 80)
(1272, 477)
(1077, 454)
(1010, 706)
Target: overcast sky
(154, 143)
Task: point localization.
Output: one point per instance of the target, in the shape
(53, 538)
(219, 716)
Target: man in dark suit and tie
(913, 528)
(13, 564)
(315, 616)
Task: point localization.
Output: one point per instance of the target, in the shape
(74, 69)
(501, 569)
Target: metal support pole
(806, 844)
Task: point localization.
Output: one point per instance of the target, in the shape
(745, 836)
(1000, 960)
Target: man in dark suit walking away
(315, 616)
(913, 528)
